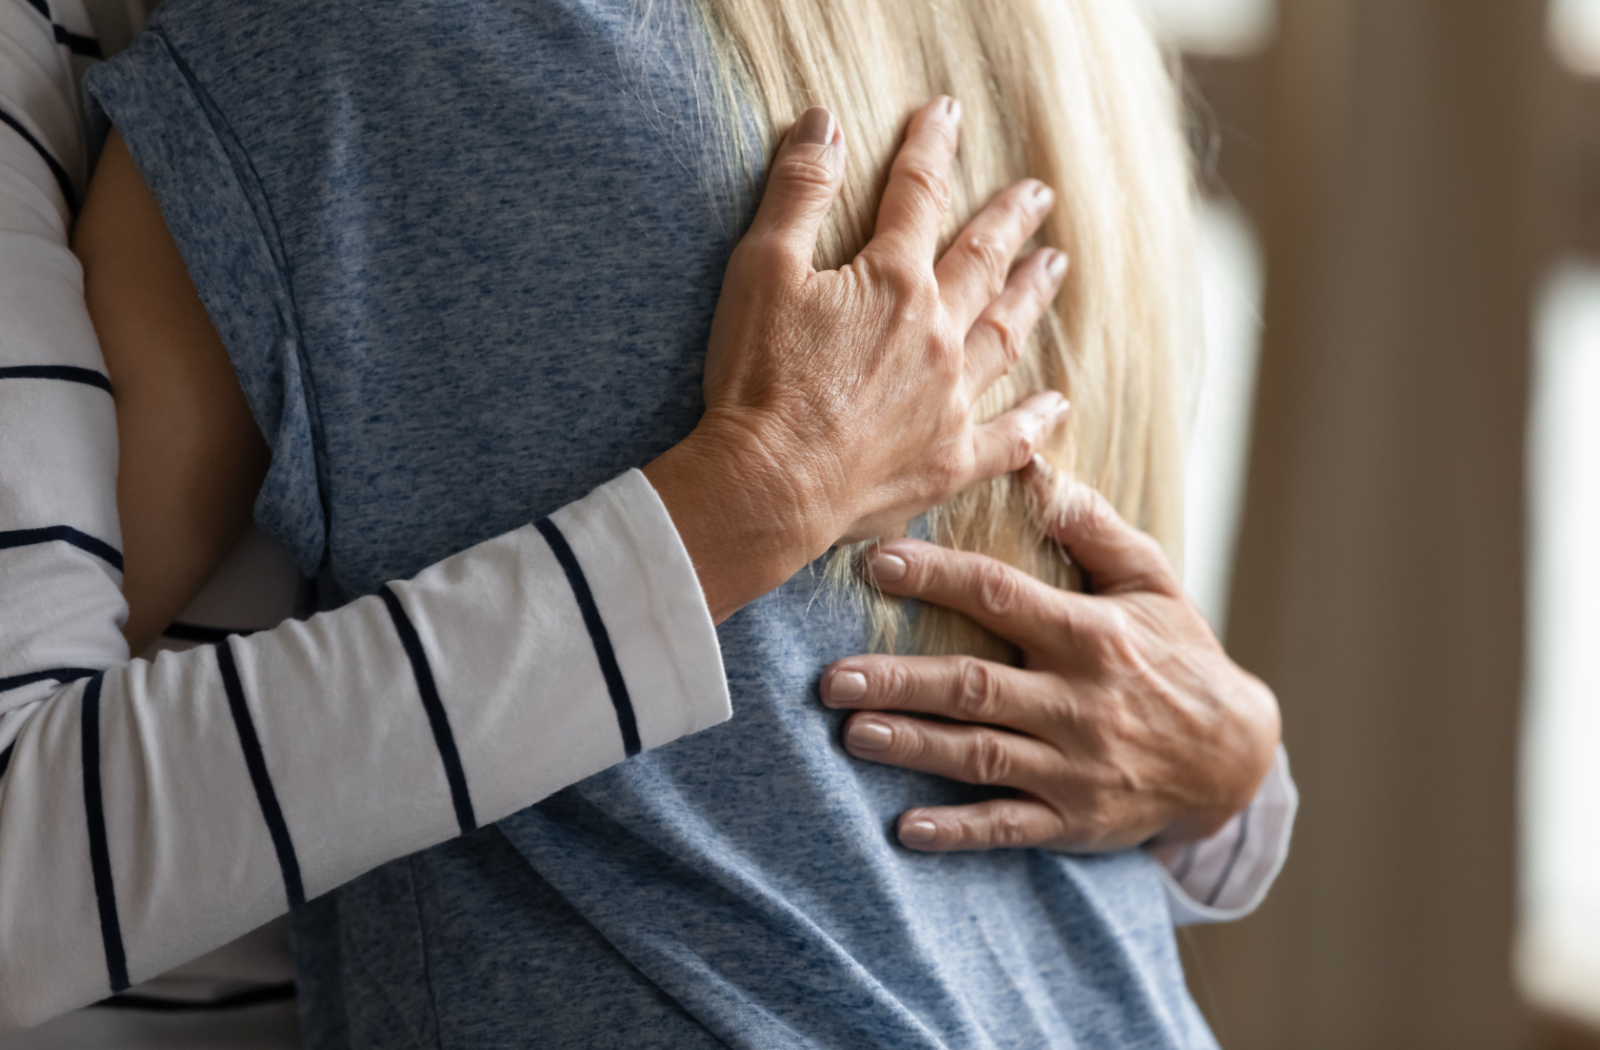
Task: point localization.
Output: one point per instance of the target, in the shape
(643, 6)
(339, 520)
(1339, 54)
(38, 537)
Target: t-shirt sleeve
(223, 224)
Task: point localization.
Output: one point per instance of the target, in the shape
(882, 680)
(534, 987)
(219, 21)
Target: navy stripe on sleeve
(105, 891)
(64, 534)
(1233, 855)
(437, 717)
(80, 45)
(5, 757)
(62, 178)
(87, 46)
(59, 674)
(626, 722)
(194, 632)
(256, 996)
(66, 373)
(256, 763)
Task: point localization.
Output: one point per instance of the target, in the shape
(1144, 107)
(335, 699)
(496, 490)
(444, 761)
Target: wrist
(746, 509)
(1245, 753)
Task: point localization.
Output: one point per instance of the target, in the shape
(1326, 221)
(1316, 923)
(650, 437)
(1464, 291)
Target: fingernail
(845, 687)
(815, 127)
(952, 110)
(1041, 196)
(1063, 407)
(886, 567)
(917, 832)
(868, 734)
(1057, 266)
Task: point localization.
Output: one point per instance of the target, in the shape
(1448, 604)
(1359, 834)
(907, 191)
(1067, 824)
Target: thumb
(802, 183)
(1118, 557)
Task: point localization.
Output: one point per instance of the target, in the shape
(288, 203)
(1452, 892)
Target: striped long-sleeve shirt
(151, 810)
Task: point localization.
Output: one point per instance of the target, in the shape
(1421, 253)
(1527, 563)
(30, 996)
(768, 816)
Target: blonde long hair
(1072, 92)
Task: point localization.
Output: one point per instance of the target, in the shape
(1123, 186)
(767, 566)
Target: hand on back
(1127, 723)
(840, 403)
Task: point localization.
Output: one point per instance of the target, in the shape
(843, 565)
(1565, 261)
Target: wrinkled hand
(839, 404)
(1127, 723)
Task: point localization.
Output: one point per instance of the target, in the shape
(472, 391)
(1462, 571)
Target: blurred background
(1395, 505)
(1394, 510)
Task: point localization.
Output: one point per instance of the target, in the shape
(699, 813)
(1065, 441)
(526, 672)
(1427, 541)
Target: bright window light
(1214, 27)
(1558, 946)
(1219, 448)
(1573, 29)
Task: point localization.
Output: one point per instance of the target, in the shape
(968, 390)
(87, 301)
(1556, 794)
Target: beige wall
(1386, 148)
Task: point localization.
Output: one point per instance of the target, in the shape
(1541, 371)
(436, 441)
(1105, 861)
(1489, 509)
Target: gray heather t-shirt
(464, 254)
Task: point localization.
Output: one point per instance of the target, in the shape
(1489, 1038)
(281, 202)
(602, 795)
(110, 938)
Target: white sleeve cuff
(649, 596)
(1226, 876)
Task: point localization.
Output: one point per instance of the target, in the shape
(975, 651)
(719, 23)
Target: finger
(1118, 557)
(1008, 443)
(802, 182)
(996, 340)
(968, 753)
(918, 192)
(1006, 600)
(974, 268)
(959, 687)
(1027, 823)
(1001, 823)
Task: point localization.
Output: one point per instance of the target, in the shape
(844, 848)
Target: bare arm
(191, 456)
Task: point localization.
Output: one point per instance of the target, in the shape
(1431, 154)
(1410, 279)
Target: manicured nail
(815, 127)
(952, 110)
(1062, 409)
(846, 686)
(1057, 266)
(1041, 196)
(868, 734)
(886, 567)
(917, 832)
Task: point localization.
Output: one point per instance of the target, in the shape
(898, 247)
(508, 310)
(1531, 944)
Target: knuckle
(947, 357)
(989, 256)
(1007, 830)
(898, 686)
(911, 743)
(930, 184)
(999, 589)
(1115, 635)
(1022, 442)
(797, 173)
(1006, 334)
(947, 473)
(977, 692)
(910, 289)
(988, 760)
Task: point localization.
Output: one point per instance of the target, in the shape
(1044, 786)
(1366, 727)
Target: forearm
(220, 786)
